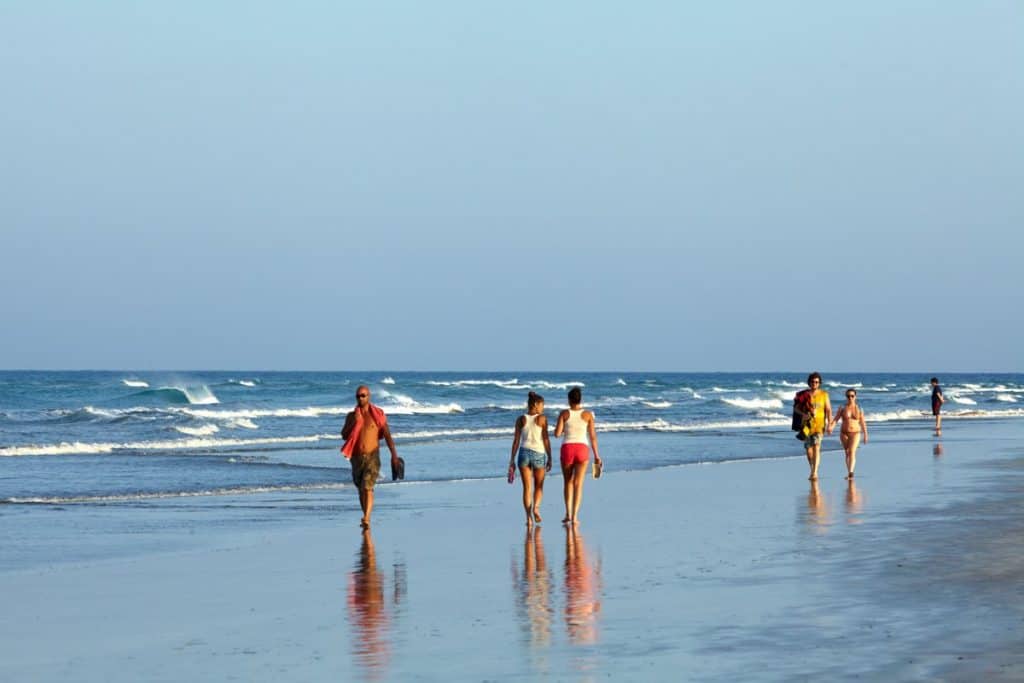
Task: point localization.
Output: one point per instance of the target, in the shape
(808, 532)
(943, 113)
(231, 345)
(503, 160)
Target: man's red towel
(350, 443)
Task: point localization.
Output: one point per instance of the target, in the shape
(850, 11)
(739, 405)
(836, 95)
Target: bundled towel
(350, 443)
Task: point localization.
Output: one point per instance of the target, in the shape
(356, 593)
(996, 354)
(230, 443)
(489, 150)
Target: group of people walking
(531, 455)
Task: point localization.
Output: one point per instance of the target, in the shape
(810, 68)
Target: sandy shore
(739, 571)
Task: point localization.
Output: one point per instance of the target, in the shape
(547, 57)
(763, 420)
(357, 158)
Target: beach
(693, 572)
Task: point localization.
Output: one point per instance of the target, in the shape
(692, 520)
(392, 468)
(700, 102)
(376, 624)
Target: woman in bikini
(531, 453)
(853, 426)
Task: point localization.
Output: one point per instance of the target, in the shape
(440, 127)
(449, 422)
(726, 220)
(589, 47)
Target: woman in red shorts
(578, 427)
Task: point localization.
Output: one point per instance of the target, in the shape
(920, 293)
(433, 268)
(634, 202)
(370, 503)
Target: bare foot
(566, 520)
(813, 477)
(536, 517)
(850, 475)
(364, 523)
(529, 523)
(575, 521)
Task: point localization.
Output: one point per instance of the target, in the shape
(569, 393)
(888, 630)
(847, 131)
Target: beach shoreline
(717, 571)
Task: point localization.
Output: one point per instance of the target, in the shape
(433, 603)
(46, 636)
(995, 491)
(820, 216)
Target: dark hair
(813, 376)
(533, 399)
(935, 380)
(575, 396)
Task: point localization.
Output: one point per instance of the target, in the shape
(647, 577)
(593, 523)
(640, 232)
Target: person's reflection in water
(817, 509)
(582, 590)
(937, 450)
(368, 610)
(533, 591)
(854, 502)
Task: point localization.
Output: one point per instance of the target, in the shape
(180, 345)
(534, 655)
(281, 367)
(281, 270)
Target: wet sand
(742, 570)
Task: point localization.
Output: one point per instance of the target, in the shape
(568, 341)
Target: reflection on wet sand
(368, 610)
(937, 451)
(533, 591)
(582, 590)
(816, 515)
(854, 502)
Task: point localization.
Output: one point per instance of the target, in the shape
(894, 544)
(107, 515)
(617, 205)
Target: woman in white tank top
(531, 453)
(578, 427)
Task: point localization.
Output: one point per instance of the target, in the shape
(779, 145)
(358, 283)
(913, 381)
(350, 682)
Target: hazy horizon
(665, 186)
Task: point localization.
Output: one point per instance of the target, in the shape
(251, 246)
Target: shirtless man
(821, 419)
(853, 426)
(366, 425)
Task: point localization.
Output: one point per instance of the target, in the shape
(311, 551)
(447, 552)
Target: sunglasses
(850, 395)
(362, 395)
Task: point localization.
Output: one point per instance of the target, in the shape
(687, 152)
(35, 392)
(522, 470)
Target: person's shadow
(816, 510)
(854, 502)
(533, 591)
(582, 590)
(369, 612)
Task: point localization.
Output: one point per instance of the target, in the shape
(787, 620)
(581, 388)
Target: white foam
(79, 448)
(1007, 398)
(424, 409)
(720, 390)
(254, 413)
(198, 396)
(388, 380)
(753, 403)
(463, 433)
(204, 430)
(657, 404)
(504, 384)
(136, 383)
(963, 400)
(660, 425)
(227, 491)
(242, 423)
(556, 385)
(621, 382)
(247, 383)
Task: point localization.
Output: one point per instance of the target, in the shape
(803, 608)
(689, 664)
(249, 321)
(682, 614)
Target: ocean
(122, 437)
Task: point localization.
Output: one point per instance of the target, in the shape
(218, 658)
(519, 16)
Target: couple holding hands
(821, 421)
(531, 454)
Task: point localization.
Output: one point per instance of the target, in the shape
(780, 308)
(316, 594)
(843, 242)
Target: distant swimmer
(937, 400)
(854, 425)
(364, 428)
(578, 427)
(820, 422)
(531, 453)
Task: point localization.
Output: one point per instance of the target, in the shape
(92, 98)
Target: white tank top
(533, 439)
(576, 428)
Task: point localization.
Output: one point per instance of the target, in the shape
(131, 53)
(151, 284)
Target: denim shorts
(528, 458)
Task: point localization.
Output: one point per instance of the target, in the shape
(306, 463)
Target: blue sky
(464, 185)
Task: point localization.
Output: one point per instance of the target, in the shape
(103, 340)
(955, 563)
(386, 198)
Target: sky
(725, 186)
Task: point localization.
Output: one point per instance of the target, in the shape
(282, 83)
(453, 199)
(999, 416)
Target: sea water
(101, 437)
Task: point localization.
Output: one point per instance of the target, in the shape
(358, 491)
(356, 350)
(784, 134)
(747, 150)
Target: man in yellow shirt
(820, 423)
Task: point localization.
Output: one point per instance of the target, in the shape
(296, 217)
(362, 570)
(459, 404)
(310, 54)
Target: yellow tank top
(818, 399)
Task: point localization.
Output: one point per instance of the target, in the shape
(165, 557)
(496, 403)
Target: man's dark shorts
(366, 469)
(936, 408)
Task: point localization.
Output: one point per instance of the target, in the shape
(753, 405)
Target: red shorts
(573, 453)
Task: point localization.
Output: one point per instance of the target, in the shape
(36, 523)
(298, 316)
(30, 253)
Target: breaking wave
(753, 403)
